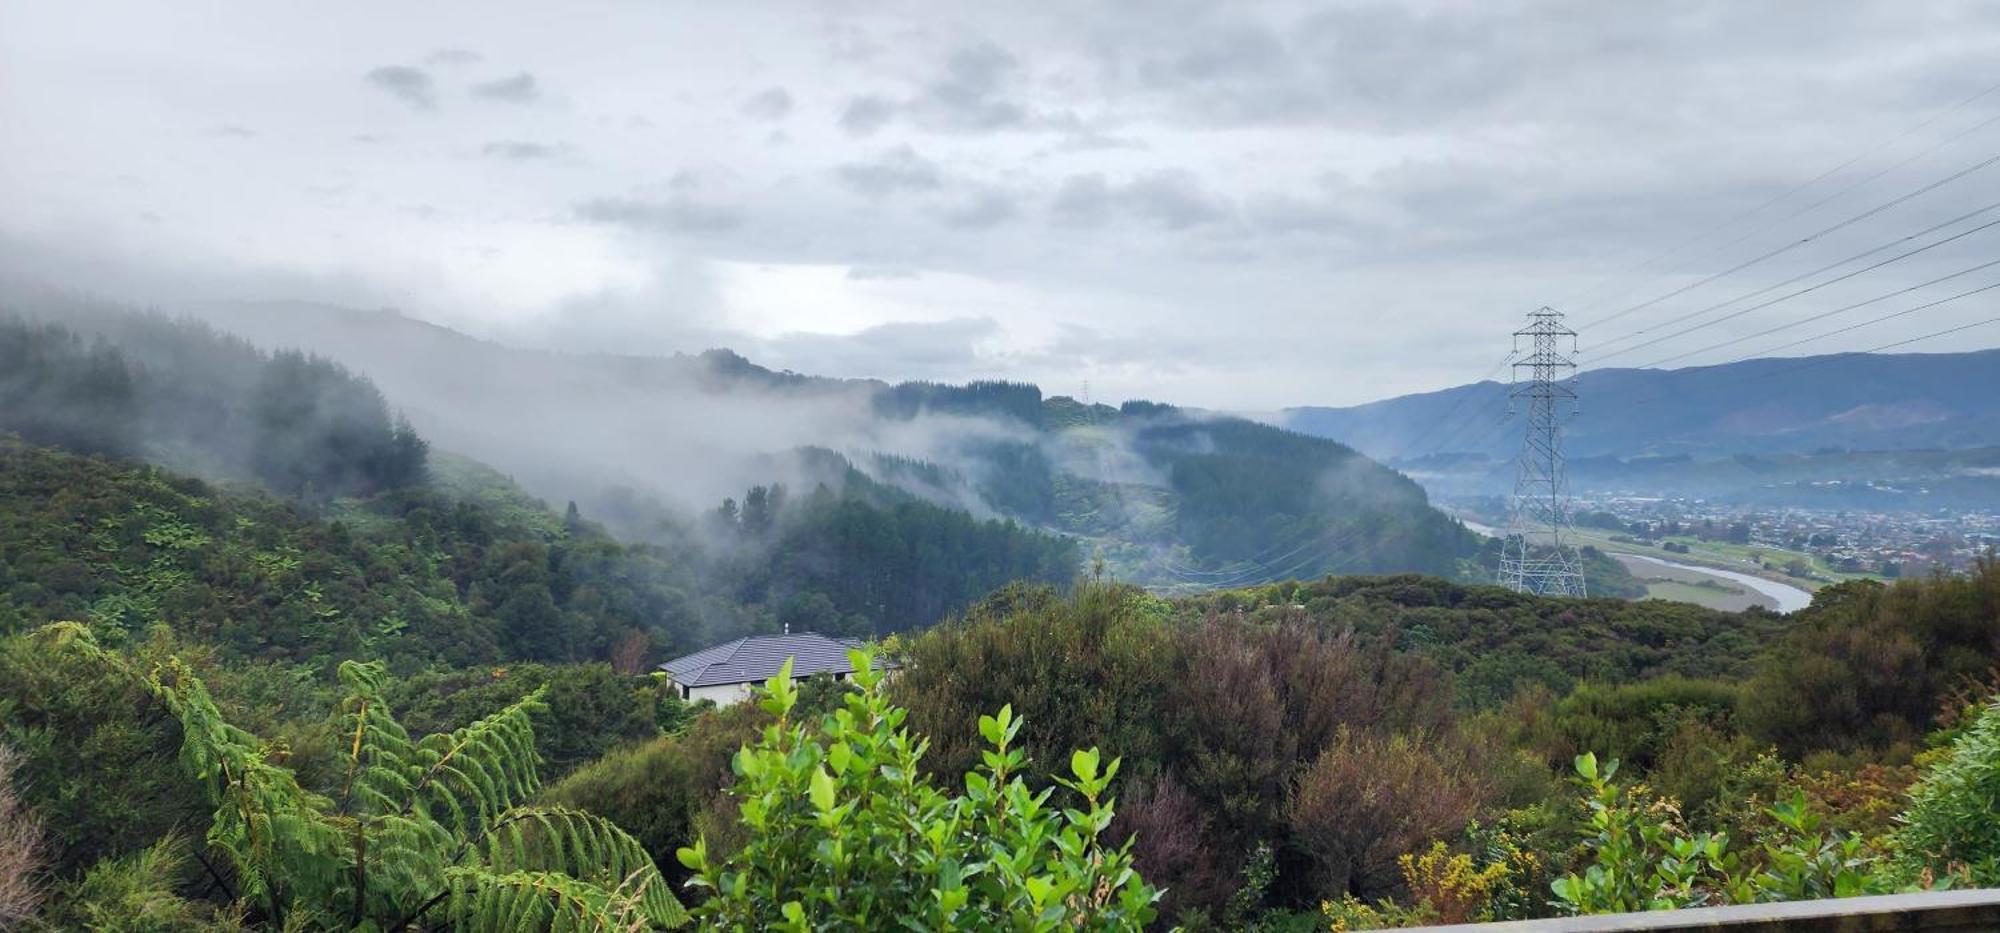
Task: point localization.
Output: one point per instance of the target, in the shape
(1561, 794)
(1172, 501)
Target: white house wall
(722, 694)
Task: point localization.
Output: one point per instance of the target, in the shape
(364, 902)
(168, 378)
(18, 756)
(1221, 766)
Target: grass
(1711, 597)
(1743, 558)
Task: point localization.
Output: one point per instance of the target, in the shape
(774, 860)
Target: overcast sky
(1218, 204)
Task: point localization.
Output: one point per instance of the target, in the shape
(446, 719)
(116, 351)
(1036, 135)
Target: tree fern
(426, 833)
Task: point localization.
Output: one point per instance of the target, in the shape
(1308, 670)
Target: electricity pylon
(1539, 554)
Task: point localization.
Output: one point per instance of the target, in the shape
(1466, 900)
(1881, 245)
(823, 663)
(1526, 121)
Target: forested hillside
(1168, 496)
(180, 393)
(367, 550)
(1177, 497)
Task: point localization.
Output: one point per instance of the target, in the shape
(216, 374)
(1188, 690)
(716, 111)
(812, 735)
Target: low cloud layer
(1225, 204)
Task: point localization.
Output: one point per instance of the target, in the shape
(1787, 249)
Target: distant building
(727, 672)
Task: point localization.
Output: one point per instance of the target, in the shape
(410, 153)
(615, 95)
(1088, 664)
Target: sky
(1231, 205)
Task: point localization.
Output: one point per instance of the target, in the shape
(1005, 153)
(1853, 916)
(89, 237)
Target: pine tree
(425, 833)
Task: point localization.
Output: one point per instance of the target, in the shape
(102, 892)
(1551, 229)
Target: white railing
(1930, 912)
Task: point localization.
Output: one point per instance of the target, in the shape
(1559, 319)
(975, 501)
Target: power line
(1739, 313)
(1819, 361)
(1864, 215)
(1795, 189)
(1853, 327)
(1803, 276)
(1450, 412)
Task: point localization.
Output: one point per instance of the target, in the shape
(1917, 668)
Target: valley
(1291, 466)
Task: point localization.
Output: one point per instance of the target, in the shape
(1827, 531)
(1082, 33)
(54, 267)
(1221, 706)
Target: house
(728, 672)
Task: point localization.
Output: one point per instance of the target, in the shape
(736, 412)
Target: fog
(684, 431)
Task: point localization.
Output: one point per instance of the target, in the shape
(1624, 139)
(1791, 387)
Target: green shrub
(847, 833)
(1952, 825)
(1638, 859)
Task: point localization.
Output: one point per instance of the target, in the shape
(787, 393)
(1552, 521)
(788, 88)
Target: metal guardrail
(1929, 912)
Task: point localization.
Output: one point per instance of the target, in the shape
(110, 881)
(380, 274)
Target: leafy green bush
(1953, 823)
(846, 832)
(1638, 859)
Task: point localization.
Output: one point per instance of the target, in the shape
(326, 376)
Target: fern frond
(649, 899)
(469, 776)
(379, 749)
(530, 900)
(268, 824)
(587, 847)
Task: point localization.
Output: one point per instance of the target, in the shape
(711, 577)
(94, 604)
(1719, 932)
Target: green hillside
(1167, 496)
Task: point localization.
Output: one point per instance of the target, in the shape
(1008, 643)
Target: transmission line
(1852, 327)
(1864, 215)
(1743, 311)
(1795, 189)
(1807, 275)
(1817, 361)
(1827, 314)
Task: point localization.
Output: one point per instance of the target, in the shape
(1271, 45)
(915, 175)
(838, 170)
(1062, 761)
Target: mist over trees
(181, 393)
(1154, 489)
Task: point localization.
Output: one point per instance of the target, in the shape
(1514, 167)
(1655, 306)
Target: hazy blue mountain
(1851, 401)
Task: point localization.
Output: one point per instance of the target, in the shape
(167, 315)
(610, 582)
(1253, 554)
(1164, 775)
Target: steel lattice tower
(1539, 554)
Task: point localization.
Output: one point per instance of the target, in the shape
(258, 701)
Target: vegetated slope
(1173, 495)
(1155, 488)
(1286, 745)
(1852, 401)
(854, 556)
(412, 576)
(355, 487)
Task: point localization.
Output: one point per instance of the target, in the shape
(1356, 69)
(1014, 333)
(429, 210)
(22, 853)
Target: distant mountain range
(1843, 402)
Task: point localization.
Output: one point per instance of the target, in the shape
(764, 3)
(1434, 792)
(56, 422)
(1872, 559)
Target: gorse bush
(847, 833)
(429, 831)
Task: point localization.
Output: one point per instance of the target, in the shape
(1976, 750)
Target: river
(1788, 597)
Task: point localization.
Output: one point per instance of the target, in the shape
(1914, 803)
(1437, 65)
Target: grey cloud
(772, 103)
(522, 151)
(922, 349)
(1083, 199)
(969, 95)
(974, 91)
(519, 88)
(231, 131)
(680, 213)
(1175, 199)
(893, 170)
(867, 113)
(980, 211)
(1171, 198)
(413, 85)
(877, 273)
(454, 57)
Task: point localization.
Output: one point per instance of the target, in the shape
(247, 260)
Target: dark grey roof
(758, 658)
